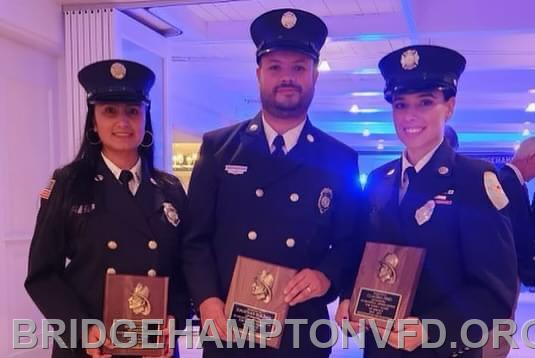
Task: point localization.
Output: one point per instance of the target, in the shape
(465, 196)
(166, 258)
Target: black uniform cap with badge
(288, 29)
(420, 68)
(116, 81)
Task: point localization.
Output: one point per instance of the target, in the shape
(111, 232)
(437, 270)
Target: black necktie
(125, 177)
(408, 176)
(278, 143)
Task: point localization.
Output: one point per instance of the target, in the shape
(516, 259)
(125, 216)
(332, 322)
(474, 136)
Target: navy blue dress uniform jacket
(86, 236)
(519, 211)
(469, 270)
(245, 202)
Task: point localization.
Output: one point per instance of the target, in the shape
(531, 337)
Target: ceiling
(497, 37)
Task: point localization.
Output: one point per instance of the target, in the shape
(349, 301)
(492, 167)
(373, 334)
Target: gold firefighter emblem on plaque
(139, 302)
(387, 269)
(262, 287)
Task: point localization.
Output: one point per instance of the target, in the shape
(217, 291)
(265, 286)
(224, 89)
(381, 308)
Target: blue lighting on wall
(363, 178)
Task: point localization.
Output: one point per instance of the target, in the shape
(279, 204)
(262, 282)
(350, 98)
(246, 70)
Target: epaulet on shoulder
(386, 169)
(167, 179)
(221, 134)
(474, 166)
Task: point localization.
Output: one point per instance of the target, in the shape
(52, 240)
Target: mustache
(297, 88)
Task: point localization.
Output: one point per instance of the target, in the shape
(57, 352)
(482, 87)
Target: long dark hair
(80, 173)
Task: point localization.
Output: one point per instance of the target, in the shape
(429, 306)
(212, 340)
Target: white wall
(31, 41)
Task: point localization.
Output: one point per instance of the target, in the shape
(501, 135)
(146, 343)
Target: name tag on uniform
(83, 209)
(236, 169)
(444, 198)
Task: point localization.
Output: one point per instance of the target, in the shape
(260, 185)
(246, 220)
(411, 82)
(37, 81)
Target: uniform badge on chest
(425, 212)
(171, 214)
(325, 199)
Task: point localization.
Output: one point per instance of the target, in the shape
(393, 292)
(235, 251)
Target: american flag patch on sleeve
(45, 193)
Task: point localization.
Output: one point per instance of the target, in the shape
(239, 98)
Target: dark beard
(270, 105)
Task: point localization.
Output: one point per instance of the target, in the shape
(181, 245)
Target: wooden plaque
(386, 282)
(135, 298)
(256, 292)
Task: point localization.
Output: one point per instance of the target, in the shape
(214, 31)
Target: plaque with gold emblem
(386, 282)
(256, 294)
(135, 299)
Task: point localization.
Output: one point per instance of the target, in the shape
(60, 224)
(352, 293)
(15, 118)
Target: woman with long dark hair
(107, 212)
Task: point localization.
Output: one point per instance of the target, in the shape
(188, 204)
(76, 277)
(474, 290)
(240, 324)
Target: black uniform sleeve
(523, 231)
(363, 220)
(348, 227)
(47, 261)
(179, 301)
(489, 290)
(198, 259)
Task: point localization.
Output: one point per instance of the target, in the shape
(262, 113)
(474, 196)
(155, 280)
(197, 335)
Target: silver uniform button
(99, 177)
(290, 242)
(151, 272)
(259, 193)
(253, 127)
(153, 245)
(294, 197)
(110, 271)
(112, 245)
(252, 235)
(310, 138)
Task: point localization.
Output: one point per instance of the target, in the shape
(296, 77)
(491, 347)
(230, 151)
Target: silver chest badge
(325, 199)
(425, 212)
(410, 59)
(171, 214)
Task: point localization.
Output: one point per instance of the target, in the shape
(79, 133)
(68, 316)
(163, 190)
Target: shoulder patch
(494, 190)
(47, 191)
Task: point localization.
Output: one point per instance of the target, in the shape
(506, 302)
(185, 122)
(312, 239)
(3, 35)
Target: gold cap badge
(288, 20)
(118, 71)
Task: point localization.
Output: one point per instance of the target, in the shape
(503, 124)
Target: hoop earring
(88, 137)
(151, 140)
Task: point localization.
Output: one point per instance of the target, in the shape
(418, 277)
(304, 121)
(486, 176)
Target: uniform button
(151, 272)
(153, 245)
(112, 245)
(290, 242)
(294, 198)
(252, 235)
(310, 138)
(259, 193)
(110, 271)
(253, 127)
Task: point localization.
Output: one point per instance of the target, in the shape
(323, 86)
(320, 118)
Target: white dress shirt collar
(290, 137)
(116, 171)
